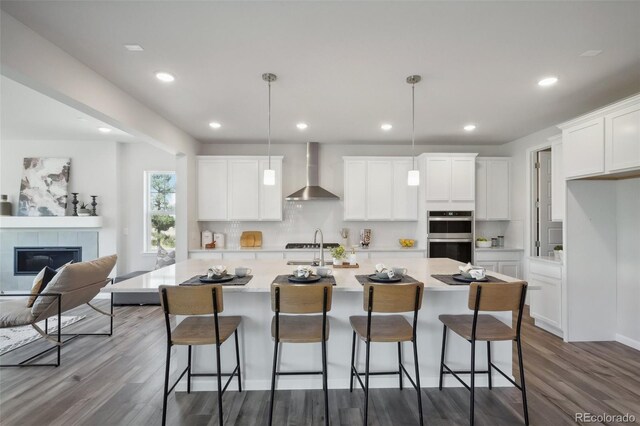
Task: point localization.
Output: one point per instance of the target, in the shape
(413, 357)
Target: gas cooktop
(310, 245)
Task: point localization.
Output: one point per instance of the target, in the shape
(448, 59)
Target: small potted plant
(482, 242)
(338, 254)
(84, 210)
(557, 253)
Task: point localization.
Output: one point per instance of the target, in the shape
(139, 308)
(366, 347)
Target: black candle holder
(93, 205)
(75, 203)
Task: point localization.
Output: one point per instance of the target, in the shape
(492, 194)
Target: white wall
(133, 160)
(301, 218)
(93, 172)
(628, 262)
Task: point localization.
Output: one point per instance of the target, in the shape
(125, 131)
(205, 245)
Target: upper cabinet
(603, 142)
(449, 180)
(558, 182)
(230, 188)
(375, 188)
(492, 188)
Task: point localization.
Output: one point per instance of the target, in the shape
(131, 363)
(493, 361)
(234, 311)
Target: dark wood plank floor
(118, 380)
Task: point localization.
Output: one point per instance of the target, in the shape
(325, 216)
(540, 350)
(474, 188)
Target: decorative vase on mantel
(5, 206)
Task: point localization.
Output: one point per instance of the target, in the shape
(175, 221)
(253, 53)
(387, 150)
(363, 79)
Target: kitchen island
(252, 302)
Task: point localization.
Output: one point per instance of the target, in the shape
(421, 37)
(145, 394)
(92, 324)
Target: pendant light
(269, 174)
(413, 177)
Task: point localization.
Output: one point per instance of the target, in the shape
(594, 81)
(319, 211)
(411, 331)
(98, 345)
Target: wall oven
(450, 234)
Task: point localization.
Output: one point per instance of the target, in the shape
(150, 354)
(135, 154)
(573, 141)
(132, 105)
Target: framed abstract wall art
(43, 189)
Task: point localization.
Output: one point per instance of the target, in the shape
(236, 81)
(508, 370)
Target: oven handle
(450, 240)
(450, 219)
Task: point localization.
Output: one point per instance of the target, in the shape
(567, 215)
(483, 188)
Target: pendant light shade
(413, 177)
(269, 177)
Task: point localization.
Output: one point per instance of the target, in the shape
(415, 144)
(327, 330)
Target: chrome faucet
(315, 234)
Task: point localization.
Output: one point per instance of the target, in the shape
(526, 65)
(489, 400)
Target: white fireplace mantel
(49, 222)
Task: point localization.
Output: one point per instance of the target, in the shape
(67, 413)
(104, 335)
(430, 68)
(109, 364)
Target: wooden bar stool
(494, 297)
(299, 300)
(387, 298)
(199, 328)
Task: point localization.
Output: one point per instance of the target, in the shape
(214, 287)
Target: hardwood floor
(118, 380)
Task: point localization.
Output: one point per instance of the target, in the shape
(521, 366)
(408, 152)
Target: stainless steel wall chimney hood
(313, 190)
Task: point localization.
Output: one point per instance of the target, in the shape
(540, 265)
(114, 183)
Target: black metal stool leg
(419, 389)
(238, 362)
(400, 364)
(444, 344)
(324, 383)
(166, 386)
(189, 370)
(489, 363)
(473, 382)
(366, 385)
(522, 385)
(273, 380)
(220, 415)
(353, 358)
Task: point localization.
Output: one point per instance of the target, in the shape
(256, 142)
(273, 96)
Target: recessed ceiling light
(469, 127)
(548, 81)
(591, 53)
(302, 126)
(165, 77)
(133, 47)
(215, 125)
(386, 127)
(104, 130)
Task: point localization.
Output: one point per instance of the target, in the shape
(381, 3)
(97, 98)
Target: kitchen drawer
(205, 255)
(497, 256)
(545, 269)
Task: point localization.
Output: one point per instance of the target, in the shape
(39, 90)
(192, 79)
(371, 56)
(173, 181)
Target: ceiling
(29, 115)
(342, 66)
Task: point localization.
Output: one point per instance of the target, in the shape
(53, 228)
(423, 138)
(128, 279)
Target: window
(160, 210)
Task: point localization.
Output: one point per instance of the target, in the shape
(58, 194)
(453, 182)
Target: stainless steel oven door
(450, 227)
(460, 249)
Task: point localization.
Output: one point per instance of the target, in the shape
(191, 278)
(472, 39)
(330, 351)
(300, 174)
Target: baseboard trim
(628, 341)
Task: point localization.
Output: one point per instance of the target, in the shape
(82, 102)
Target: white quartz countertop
(498, 249)
(308, 250)
(264, 272)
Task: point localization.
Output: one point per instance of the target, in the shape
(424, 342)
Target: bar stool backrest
(497, 296)
(301, 298)
(389, 298)
(191, 300)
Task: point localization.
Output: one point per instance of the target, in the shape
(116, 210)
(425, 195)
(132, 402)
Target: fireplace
(31, 260)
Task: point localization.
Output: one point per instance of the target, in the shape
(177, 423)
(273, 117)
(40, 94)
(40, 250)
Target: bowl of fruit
(407, 242)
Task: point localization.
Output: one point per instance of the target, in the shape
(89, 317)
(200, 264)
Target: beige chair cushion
(14, 313)
(72, 279)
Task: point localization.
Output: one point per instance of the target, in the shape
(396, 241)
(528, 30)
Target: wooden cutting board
(251, 239)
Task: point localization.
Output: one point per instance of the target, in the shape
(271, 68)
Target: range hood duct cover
(313, 190)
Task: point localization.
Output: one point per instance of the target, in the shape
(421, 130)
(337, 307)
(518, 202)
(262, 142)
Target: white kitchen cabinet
(212, 189)
(355, 189)
(492, 188)
(270, 195)
(244, 189)
(375, 189)
(438, 179)
(502, 261)
(622, 139)
(380, 188)
(405, 197)
(583, 146)
(230, 188)
(546, 302)
(558, 182)
(450, 181)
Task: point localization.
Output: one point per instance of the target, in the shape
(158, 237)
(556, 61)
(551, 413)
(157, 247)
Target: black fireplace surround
(31, 260)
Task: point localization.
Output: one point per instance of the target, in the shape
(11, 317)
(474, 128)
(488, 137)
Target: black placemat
(284, 279)
(406, 279)
(448, 279)
(195, 280)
